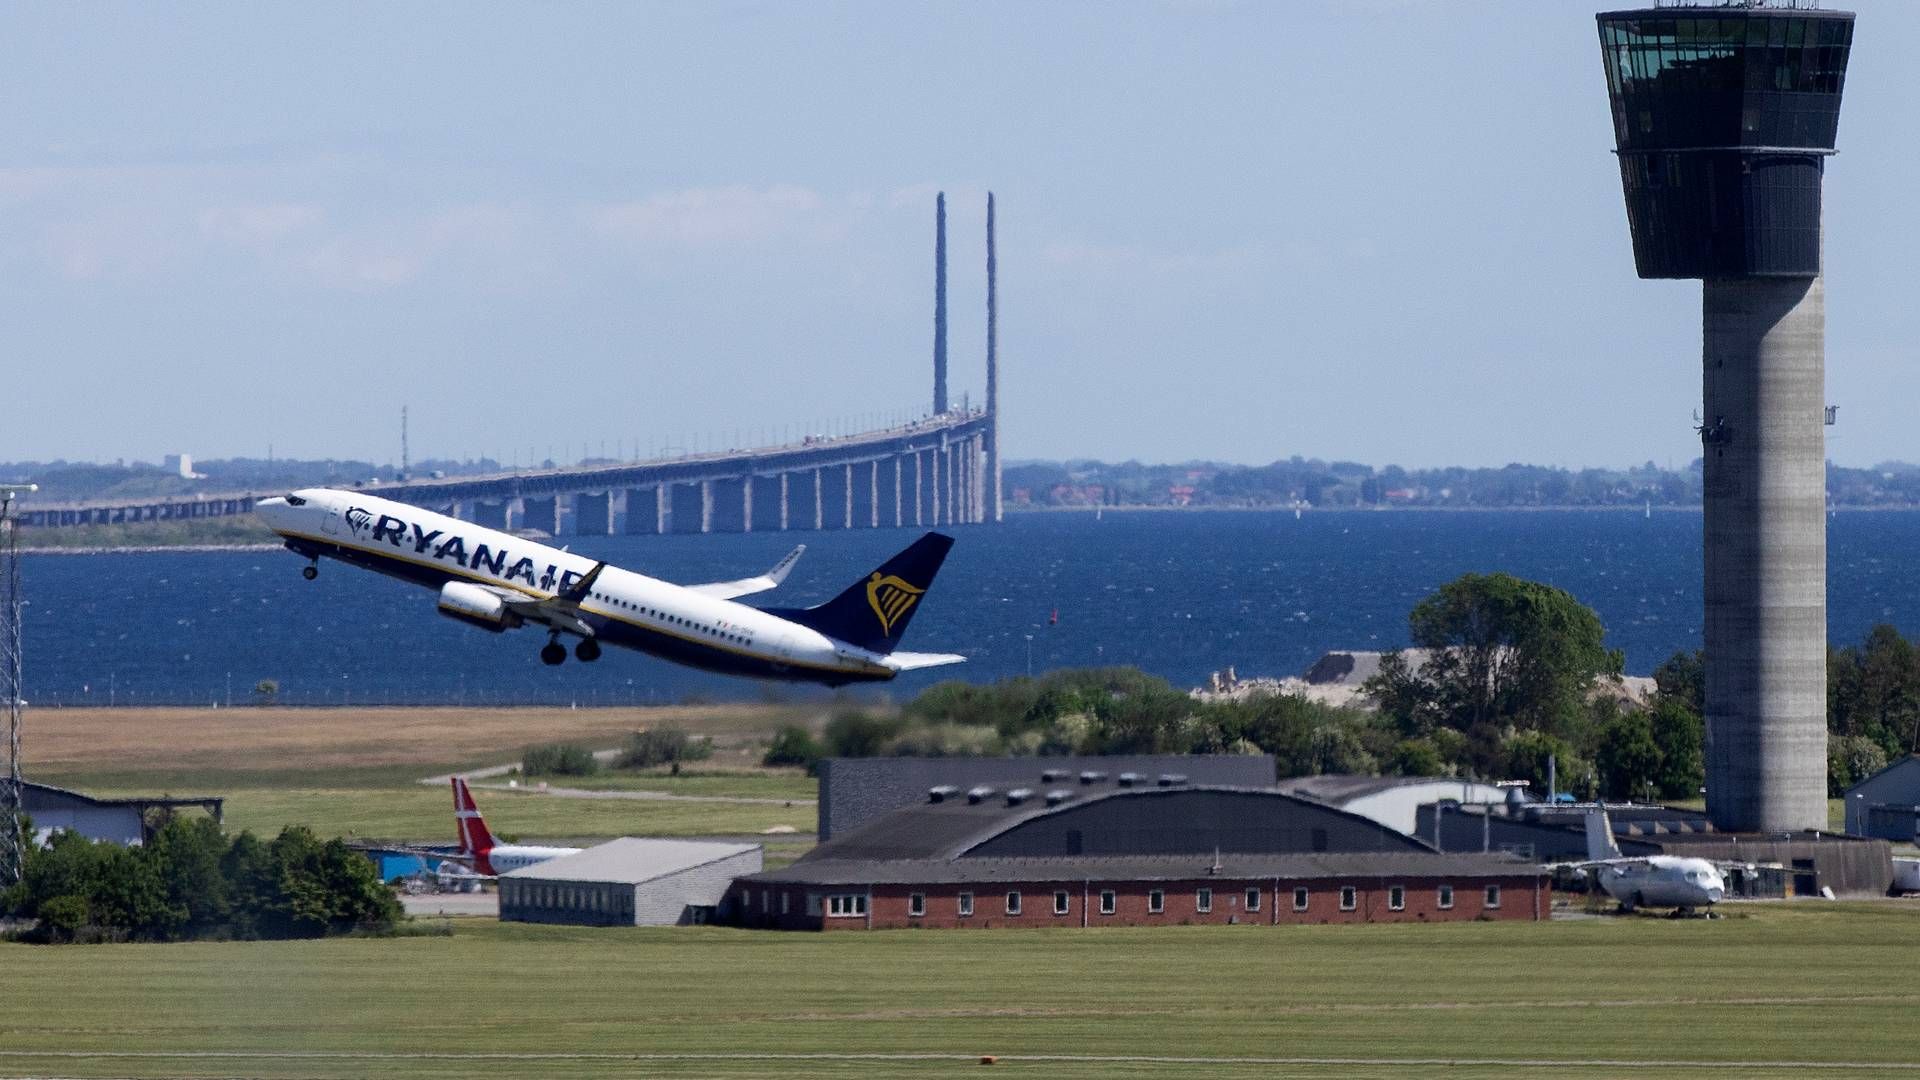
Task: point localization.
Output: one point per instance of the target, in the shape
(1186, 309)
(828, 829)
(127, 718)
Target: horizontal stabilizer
(914, 661)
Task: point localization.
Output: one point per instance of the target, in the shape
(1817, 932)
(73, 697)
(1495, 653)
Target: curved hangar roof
(984, 822)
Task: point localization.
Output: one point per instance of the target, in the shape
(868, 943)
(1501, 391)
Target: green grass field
(1782, 984)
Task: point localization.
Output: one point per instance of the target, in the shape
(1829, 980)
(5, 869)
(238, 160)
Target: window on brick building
(846, 905)
(1203, 901)
(1013, 903)
(917, 904)
(1444, 897)
(1396, 898)
(1253, 899)
(1349, 898)
(1493, 896)
(1061, 903)
(1156, 901)
(1107, 901)
(966, 904)
(1300, 897)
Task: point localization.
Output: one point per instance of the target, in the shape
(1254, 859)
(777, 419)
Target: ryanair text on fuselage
(499, 582)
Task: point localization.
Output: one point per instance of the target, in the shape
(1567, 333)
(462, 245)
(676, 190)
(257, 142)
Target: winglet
(785, 566)
(580, 589)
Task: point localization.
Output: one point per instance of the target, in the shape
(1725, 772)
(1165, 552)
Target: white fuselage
(505, 858)
(624, 608)
(1663, 881)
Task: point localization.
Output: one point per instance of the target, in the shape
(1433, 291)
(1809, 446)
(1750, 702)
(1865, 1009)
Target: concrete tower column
(919, 489)
(1766, 552)
(746, 503)
(819, 504)
(899, 512)
(706, 506)
(783, 502)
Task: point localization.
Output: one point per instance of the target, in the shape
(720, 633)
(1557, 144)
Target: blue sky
(1382, 230)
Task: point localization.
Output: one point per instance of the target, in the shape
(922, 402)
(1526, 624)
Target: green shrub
(663, 746)
(792, 745)
(558, 759)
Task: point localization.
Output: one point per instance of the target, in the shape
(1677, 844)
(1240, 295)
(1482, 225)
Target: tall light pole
(13, 834)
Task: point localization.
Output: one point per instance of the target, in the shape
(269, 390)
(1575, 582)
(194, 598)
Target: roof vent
(1169, 779)
(1019, 795)
(1058, 796)
(941, 793)
(974, 795)
(1091, 777)
(1052, 775)
(1128, 779)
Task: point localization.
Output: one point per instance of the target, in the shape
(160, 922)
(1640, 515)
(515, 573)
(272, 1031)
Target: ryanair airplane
(499, 582)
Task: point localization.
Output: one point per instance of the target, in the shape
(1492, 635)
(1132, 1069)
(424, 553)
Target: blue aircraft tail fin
(873, 613)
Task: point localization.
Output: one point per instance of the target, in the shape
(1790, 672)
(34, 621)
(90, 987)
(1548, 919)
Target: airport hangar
(628, 882)
(1103, 854)
(121, 820)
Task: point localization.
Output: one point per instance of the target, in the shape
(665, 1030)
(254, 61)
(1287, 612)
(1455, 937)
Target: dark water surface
(1178, 594)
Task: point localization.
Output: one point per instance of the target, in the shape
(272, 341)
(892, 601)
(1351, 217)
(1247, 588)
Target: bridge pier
(861, 495)
(898, 511)
(593, 513)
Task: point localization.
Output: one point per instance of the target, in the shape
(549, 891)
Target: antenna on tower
(406, 466)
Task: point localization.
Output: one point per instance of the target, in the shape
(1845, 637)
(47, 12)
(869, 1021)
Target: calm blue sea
(1178, 594)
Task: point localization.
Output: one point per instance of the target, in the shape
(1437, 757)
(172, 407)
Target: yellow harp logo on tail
(891, 599)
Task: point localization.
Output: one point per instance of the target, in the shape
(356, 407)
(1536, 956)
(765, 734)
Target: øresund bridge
(943, 469)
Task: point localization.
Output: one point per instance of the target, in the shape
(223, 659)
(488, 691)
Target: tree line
(1516, 676)
(191, 881)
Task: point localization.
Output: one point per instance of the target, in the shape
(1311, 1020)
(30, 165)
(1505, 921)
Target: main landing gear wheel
(588, 650)
(310, 572)
(554, 654)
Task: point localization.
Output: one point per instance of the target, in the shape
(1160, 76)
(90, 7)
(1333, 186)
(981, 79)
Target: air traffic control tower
(1724, 115)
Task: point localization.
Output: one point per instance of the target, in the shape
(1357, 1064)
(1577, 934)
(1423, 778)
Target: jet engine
(476, 606)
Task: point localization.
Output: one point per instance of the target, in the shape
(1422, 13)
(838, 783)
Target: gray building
(1887, 804)
(121, 820)
(628, 882)
(1393, 801)
(854, 791)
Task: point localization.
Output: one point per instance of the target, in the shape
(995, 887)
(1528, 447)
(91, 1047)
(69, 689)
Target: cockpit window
(295, 500)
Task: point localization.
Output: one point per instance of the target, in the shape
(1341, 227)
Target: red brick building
(1128, 856)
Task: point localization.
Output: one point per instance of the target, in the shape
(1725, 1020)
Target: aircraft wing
(914, 661)
(561, 612)
(727, 590)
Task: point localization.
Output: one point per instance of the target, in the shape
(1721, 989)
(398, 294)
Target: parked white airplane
(476, 840)
(498, 582)
(1675, 881)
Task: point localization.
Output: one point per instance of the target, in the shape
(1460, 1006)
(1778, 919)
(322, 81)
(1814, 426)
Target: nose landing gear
(310, 571)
